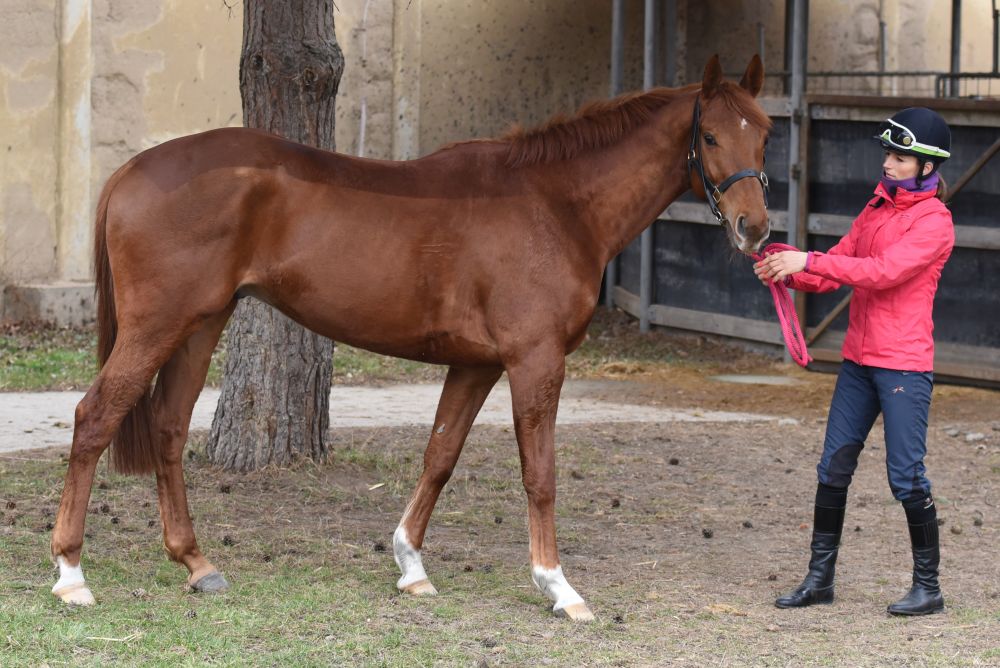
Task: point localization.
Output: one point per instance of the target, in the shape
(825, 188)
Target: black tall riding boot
(924, 597)
(828, 523)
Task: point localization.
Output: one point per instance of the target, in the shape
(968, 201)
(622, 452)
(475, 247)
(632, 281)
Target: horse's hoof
(578, 612)
(420, 588)
(213, 583)
(77, 594)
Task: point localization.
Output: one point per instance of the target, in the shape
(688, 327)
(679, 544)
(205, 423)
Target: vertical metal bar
(883, 47)
(797, 170)
(883, 53)
(670, 39)
(796, 95)
(646, 248)
(760, 43)
(996, 36)
(617, 76)
(617, 46)
(803, 37)
(789, 38)
(956, 44)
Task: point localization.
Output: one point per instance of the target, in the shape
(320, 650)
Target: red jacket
(893, 258)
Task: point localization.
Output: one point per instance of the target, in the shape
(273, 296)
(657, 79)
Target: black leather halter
(713, 193)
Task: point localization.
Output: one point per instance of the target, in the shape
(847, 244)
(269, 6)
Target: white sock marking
(407, 558)
(68, 575)
(552, 583)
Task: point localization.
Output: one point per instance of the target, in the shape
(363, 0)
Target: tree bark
(275, 397)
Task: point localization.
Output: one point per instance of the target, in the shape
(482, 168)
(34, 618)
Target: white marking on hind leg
(414, 579)
(71, 587)
(552, 583)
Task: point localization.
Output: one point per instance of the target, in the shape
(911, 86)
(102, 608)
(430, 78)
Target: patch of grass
(41, 358)
(354, 366)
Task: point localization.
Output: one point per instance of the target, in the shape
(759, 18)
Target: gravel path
(41, 419)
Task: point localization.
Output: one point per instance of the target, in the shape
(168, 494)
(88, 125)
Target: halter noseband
(713, 193)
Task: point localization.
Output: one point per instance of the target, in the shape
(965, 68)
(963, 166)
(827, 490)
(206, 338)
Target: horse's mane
(604, 122)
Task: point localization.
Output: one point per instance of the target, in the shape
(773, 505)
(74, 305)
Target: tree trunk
(276, 388)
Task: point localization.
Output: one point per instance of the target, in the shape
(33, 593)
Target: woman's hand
(775, 267)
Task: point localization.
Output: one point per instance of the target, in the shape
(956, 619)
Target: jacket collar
(904, 199)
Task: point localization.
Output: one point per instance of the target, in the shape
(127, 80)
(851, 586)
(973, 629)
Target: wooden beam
(881, 102)
(818, 330)
(973, 170)
(828, 224)
(716, 323)
(957, 370)
(951, 359)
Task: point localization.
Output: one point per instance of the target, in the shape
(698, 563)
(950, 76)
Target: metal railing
(916, 83)
(968, 85)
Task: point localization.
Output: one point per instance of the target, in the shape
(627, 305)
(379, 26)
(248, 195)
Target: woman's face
(901, 167)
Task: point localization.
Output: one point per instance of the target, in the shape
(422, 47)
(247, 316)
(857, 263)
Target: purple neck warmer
(930, 183)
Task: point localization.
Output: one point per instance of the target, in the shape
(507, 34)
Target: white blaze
(743, 124)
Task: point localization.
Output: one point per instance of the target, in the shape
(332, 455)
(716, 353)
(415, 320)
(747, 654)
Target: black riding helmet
(920, 132)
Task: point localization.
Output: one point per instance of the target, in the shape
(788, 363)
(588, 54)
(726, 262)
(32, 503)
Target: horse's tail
(132, 447)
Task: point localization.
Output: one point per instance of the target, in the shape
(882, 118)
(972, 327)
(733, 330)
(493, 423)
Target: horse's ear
(753, 78)
(713, 77)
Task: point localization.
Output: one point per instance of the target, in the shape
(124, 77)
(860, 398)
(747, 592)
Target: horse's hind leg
(126, 375)
(178, 385)
(463, 395)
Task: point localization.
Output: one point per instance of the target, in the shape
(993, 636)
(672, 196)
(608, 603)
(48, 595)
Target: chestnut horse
(486, 256)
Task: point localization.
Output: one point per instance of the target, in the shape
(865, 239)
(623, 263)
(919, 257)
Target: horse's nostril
(741, 226)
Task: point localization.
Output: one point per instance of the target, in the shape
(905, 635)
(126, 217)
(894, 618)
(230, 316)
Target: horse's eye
(709, 139)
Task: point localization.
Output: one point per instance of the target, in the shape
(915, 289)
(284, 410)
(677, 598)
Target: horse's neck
(623, 188)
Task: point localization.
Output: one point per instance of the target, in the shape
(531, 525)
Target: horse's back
(403, 258)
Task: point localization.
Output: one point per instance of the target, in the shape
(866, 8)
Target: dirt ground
(678, 535)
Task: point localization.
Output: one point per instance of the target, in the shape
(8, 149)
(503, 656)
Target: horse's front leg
(535, 383)
(463, 395)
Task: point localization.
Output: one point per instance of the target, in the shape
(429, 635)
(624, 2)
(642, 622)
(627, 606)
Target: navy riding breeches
(904, 399)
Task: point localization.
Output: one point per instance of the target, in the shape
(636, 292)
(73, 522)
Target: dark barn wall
(694, 267)
(845, 164)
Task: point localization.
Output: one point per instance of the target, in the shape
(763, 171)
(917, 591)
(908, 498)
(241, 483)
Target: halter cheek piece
(713, 193)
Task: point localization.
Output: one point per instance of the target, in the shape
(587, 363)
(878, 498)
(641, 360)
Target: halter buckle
(717, 195)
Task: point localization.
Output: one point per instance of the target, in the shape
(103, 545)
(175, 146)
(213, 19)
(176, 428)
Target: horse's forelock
(741, 102)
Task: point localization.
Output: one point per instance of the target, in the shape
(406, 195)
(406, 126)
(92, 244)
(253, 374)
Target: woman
(892, 257)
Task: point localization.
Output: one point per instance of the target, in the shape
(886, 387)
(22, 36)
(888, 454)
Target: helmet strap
(920, 170)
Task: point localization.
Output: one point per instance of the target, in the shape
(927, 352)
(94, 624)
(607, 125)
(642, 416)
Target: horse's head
(726, 158)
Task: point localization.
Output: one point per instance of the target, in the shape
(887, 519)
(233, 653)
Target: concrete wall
(459, 69)
(86, 84)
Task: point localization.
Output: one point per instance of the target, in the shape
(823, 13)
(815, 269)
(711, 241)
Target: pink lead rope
(785, 307)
